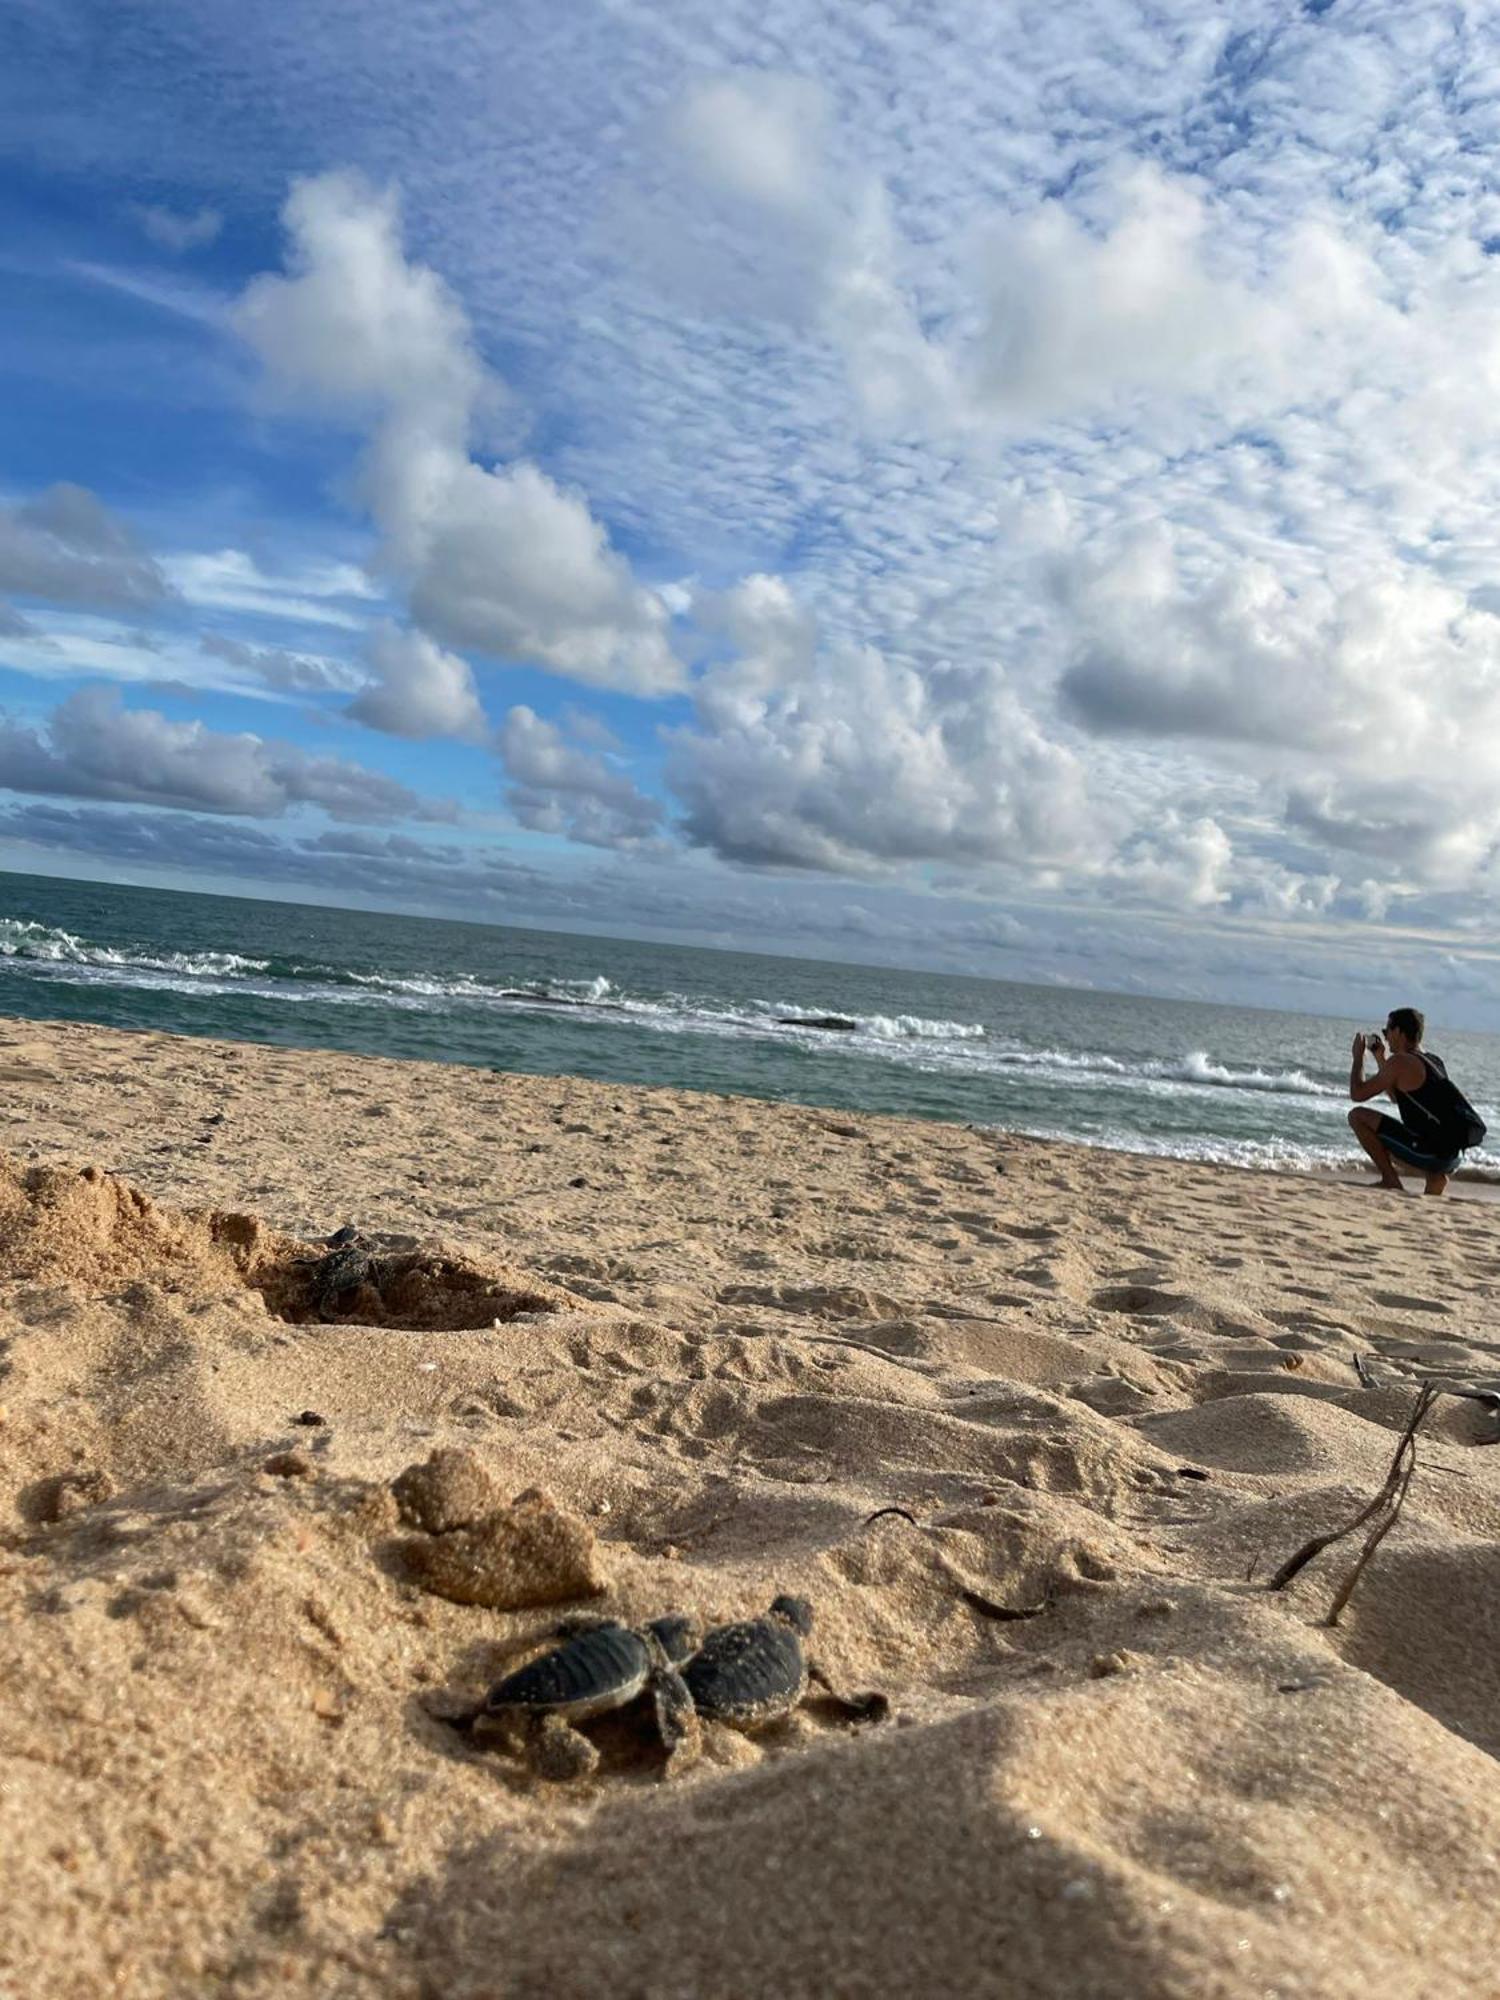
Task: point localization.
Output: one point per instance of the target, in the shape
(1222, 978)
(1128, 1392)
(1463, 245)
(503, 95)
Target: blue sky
(1011, 489)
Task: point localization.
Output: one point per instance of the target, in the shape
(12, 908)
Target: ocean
(1236, 1085)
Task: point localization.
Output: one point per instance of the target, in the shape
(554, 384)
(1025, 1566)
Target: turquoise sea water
(1237, 1085)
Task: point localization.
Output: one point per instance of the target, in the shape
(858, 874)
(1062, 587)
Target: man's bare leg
(1435, 1184)
(1365, 1127)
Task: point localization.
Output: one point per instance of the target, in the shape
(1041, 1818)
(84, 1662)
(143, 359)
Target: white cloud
(66, 547)
(558, 787)
(1373, 708)
(1176, 863)
(354, 322)
(232, 580)
(781, 217)
(513, 566)
(93, 747)
(13, 625)
(1077, 317)
(177, 230)
(846, 760)
(281, 671)
(419, 690)
(758, 135)
(500, 559)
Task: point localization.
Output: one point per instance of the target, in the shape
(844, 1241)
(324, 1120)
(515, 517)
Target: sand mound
(1426, 1621)
(1274, 1435)
(89, 1229)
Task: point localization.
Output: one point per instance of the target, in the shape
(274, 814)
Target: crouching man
(1436, 1122)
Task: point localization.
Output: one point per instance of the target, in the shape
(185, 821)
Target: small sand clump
(504, 1558)
(451, 1489)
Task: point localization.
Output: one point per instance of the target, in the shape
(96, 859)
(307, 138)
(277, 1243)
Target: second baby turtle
(600, 1665)
(757, 1671)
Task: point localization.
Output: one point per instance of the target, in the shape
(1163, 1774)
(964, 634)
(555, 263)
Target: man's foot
(1435, 1184)
(1383, 1187)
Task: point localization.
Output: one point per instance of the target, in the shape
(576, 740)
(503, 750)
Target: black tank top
(1427, 1111)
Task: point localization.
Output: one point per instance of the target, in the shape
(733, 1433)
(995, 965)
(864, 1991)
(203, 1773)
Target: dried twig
(1372, 1542)
(988, 1608)
(1383, 1510)
(1363, 1370)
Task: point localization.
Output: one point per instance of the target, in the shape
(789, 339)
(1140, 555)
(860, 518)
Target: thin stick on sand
(1383, 1510)
(987, 1607)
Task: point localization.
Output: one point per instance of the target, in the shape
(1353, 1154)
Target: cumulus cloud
(93, 747)
(419, 690)
(1372, 706)
(66, 547)
(846, 759)
(758, 134)
(815, 235)
(1075, 317)
(1176, 862)
(1287, 348)
(179, 230)
(502, 559)
(558, 787)
(285, 672)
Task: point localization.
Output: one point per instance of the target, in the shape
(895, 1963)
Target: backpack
(1459, 1118)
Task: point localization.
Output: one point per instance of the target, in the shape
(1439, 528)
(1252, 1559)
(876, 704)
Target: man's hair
(1411, 1023)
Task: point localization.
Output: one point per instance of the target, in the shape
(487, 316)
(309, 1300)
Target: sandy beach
(701, 1340)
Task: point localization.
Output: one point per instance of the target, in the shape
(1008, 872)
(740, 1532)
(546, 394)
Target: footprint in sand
(1405, 1302)
(1144, 1301)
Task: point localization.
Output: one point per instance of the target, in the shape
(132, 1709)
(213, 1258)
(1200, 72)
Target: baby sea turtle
(757, 1671)
(600, 1665)
(349, 1261)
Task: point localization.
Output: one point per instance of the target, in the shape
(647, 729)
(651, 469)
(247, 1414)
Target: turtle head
(796, 1612)
(678, 1637)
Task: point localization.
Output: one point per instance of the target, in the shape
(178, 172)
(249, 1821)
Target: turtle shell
(339, 1272)
(586, 1675)
(748, 1673)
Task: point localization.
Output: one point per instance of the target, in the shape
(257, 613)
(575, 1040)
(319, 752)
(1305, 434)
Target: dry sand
(717, 1335)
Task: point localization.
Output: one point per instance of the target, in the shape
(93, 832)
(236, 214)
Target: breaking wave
(50, 950)
(505, 1000)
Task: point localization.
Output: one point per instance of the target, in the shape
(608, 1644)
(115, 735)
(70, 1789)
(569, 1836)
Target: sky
(1004, 489)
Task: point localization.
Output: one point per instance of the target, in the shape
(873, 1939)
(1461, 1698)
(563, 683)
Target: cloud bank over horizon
(1045, 469)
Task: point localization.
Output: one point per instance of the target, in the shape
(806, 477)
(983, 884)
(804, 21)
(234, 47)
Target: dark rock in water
(836, 1024)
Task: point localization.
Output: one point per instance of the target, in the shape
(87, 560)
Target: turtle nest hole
(408, 1289)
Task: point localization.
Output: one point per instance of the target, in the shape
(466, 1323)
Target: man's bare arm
(1362, 1087)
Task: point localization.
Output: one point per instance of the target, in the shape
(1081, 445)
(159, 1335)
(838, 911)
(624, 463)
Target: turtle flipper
(676, 1718)
(557, 1751)
(871, 1707)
